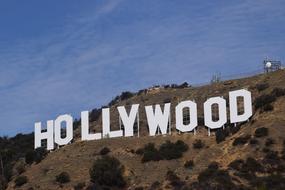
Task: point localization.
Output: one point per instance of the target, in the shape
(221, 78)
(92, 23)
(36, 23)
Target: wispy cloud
(128, 45)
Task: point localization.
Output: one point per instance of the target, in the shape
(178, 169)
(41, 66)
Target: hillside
(249, 156)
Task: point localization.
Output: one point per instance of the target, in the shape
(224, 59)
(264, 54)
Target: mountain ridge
(77, 158)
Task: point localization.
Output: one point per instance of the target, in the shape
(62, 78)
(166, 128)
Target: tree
(21, 180)
(107, 171)
(63, 177)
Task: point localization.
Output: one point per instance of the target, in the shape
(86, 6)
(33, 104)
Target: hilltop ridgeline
(250, 155)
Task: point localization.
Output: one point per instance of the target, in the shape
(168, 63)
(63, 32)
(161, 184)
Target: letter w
(157, 119)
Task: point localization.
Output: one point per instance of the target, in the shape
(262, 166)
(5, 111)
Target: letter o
(179, 116)
(69, 129)
(208, 112)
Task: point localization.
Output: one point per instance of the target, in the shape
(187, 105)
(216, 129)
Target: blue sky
(67, 56)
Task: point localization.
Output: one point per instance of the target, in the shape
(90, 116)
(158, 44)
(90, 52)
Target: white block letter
(234, 107)
(85, 135)
(128, 121)
(157, 119)
(179, 116)
(39, 135)
(69, 129)
(106, 125)
(208, 112)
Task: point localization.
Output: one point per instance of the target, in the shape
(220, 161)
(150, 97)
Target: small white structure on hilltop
(153, 89)
(268, 65)
(271, 65)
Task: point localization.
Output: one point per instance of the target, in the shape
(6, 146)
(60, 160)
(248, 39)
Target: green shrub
(252, 165)
(174, 180)
(166, 151)
(183, 85)
(269, 142)
(267, 108)
(169, 150)
(76, 124)
(126, 95)
(283, 154)
(11, 149)
(150, 153)
(8, 171)
(142, 91)
(277, 92)
(264, 100)
(241, 140)
(104, 151)
(265, 150)
(20, 168)
(236, 164)
(140, 151)
(21, 180)
(93, 186)
(151, 156)
(253, 141)
(201, 121)
(167, 100)
(213, 166)
(198, 144)
(29, 157)
(261, 132)
(96, 113)
(221, 135)
(181, 146)
(63, 177)
(155, 185)
(35, 155)
(214, 178)
(147, 147)
(79, 186)
(189, 164)
(235, 129)
(272, 182)
(206, 174)
(107, 171)
(271, 164)
(262, 86)
(272, 155)
(40, 154)
(3, 183)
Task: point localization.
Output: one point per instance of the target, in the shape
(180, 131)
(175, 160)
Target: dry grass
(77, 158)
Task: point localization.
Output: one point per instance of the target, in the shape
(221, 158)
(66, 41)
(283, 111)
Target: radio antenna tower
(270, 65)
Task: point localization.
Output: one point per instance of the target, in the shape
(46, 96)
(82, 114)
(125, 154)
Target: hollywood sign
(157, 119)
